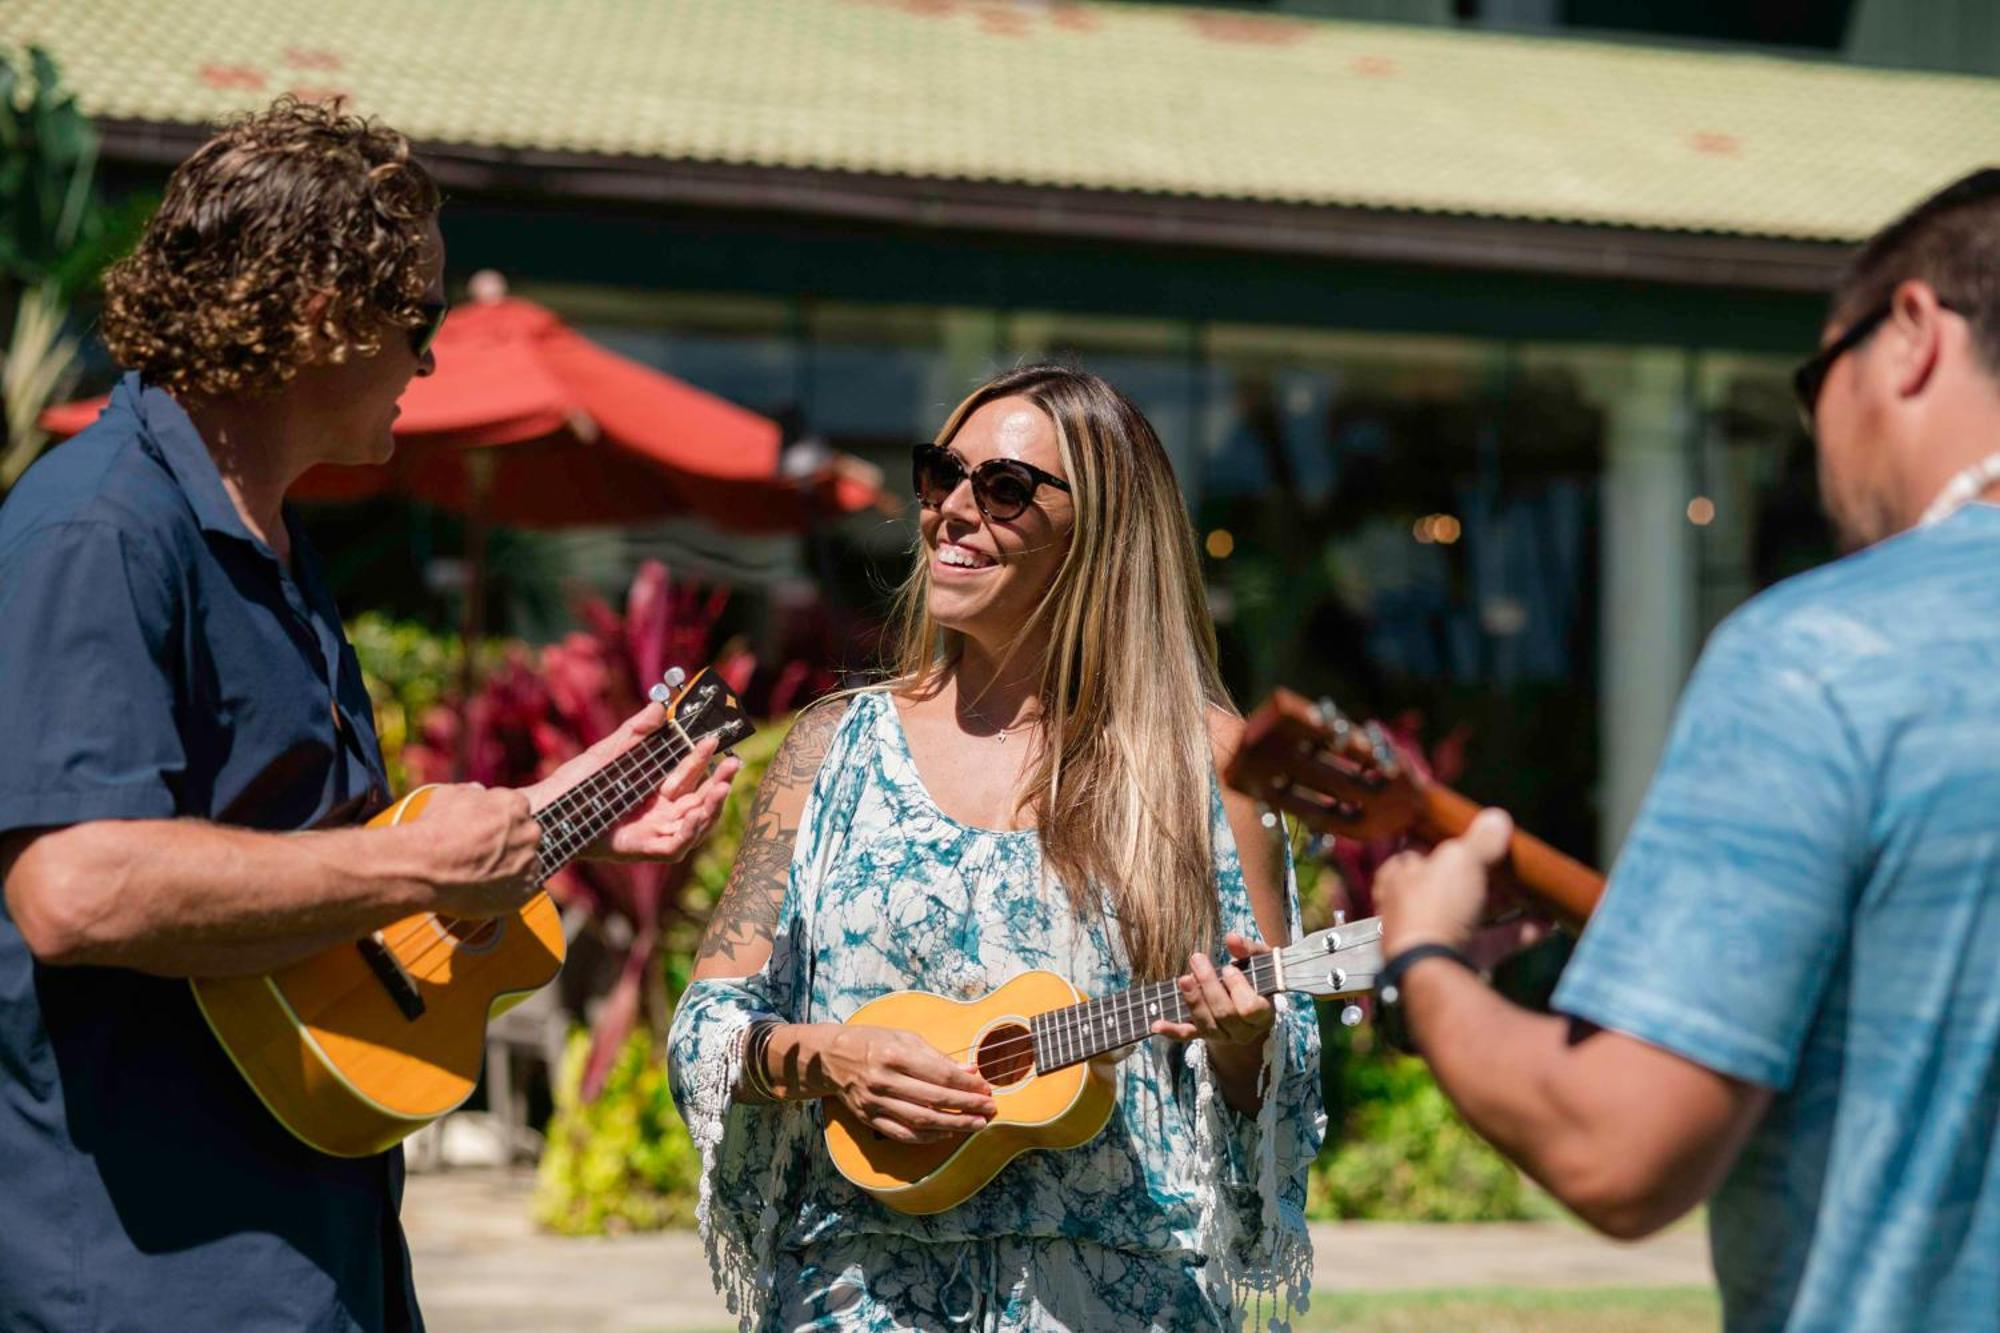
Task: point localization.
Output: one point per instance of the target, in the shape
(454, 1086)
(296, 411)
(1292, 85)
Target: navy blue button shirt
(157, 661)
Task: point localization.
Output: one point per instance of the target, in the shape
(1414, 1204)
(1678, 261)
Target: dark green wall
(774, 256)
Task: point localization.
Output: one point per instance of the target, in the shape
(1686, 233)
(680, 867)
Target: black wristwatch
(1389, 1021)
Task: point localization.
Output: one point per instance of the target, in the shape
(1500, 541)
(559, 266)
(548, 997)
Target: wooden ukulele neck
(1064, 1037)
(1567, 886)
(581, 815)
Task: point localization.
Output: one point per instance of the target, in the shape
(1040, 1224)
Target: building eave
(1445, 241)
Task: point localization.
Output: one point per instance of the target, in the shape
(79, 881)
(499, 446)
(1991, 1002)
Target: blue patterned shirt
(1810, 901)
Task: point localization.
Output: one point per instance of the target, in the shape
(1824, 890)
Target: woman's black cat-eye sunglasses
(1003, 488)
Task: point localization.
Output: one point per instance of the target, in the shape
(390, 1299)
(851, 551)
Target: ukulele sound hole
(471, 936)
(1006, 1055)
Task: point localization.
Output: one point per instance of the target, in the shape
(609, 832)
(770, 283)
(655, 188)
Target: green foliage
(409, 668)
(623, 1162)
(56, 235)
(1397, 1151)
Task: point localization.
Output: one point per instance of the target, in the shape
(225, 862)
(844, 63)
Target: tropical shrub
(56, 235)
(410, 669)
(621, 1161)
(1397, 1151)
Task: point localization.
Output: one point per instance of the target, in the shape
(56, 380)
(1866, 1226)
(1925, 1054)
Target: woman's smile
(956, 560)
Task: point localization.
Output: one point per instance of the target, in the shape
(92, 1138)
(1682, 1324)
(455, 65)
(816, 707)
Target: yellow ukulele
(1035, 1040)
(361, 1045)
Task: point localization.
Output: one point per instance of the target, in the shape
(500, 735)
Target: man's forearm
(187, 898)
(1499, 1064)
(1627, 1135)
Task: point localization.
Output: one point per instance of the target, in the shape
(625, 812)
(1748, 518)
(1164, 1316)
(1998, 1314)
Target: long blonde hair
(1119, 781)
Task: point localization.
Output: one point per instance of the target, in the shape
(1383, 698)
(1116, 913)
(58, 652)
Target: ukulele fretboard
(1064, 1037)
(580, 816)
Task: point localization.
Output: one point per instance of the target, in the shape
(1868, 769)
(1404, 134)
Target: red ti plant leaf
(536, 711)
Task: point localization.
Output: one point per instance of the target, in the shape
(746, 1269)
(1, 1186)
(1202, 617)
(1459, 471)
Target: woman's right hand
(901, 1086)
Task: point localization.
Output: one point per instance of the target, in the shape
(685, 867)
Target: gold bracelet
(756, 1038)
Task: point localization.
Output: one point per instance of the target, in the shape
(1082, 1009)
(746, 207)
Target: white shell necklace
(1962, 490)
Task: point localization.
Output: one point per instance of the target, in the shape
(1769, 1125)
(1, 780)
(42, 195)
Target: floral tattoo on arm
(746, 915)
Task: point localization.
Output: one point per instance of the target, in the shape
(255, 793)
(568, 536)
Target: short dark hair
(297, 202)
(1951, 241)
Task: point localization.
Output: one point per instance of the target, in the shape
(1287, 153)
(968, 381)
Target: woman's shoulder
(1225, 730)
(817, 731)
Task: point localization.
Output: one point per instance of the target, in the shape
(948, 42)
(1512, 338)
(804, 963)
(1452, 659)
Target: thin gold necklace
(1000, 734)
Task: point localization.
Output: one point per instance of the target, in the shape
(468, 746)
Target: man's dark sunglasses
(1810, 377)
(424, 334)
(1003, 488)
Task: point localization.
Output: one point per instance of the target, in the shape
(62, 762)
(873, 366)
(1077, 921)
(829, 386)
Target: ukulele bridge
(390, 973)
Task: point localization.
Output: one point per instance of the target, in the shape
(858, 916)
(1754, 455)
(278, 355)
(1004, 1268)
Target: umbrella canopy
(530, 424)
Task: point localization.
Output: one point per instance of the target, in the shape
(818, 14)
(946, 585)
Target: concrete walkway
(483, 1268)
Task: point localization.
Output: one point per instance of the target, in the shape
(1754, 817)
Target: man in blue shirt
(177, 701)
(1789, 998)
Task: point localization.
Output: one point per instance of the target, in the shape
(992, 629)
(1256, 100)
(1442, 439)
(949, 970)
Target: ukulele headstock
(1341, 960)
(1336, 775)
(701, 706)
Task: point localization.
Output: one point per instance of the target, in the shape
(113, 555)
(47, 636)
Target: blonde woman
(1034, 788)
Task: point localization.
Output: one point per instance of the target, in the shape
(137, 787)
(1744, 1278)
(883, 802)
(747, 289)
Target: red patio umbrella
(528, 423)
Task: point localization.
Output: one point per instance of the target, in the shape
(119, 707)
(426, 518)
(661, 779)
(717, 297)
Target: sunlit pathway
(483, 1268)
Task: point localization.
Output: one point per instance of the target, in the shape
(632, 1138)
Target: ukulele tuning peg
(1385, 753)
(660, 695)
(675, 678)
(1350, 1015)
(1334, 721)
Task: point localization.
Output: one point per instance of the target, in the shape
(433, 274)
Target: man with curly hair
(177, 703)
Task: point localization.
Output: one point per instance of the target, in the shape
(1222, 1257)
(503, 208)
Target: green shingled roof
(1132, 97)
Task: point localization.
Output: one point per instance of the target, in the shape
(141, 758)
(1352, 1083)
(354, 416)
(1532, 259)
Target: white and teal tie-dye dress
(1182, 1214)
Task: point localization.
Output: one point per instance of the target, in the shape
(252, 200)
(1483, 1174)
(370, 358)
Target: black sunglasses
(424, 334)
(1002, 487)
(1810, 377)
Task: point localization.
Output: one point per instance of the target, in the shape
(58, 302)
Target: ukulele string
(1080, 1029)
(646, 768)
(638, 772)
(603, 776)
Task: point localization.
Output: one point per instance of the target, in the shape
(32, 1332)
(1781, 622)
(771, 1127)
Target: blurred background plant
(1395, 1149)
(623, 1159)
(56, 235)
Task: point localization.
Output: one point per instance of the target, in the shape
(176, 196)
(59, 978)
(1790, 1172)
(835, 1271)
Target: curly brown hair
(295, 204)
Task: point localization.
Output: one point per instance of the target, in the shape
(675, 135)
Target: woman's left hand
(669, 822)
(1223, 1007)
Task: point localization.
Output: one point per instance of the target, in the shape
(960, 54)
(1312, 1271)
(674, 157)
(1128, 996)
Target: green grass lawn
(1516, 1310)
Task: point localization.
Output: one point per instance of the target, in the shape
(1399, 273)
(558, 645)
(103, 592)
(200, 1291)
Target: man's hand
(1438, 897)
(674, 818)
(482, 848)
